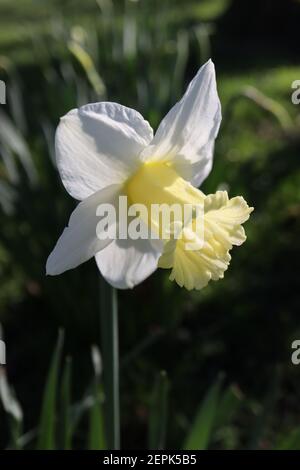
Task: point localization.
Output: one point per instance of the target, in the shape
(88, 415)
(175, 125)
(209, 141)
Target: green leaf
(158, 413)
(229, 404)
(65, 412)
(46, 439)
(201, 432)
(96, 436)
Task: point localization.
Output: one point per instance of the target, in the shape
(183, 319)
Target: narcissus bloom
(105, 150)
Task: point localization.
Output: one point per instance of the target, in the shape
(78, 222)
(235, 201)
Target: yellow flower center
(158, 184)
(160, 189)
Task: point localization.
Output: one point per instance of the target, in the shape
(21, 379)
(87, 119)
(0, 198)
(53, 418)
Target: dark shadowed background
(226, 350)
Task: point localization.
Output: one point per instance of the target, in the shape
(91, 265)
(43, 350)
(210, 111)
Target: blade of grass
(46, 439)
(229, 404)
(200, 435)
(96, 437)
(158, 413)
(65, 412)
(88, 66)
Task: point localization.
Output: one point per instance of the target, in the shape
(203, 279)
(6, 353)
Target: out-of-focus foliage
(56, 55)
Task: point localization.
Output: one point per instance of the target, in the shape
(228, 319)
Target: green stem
(110, 353)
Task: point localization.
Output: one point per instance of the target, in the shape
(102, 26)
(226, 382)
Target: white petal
(98, 145)
(197, 172)
(186, 135)
(126, 263)
(79, 241)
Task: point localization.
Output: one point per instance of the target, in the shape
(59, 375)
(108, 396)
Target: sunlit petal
(98, 145)
(186, 135)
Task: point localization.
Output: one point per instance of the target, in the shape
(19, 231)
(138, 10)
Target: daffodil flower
(105, 150)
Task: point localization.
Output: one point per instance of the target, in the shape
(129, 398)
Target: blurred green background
(209, 369)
